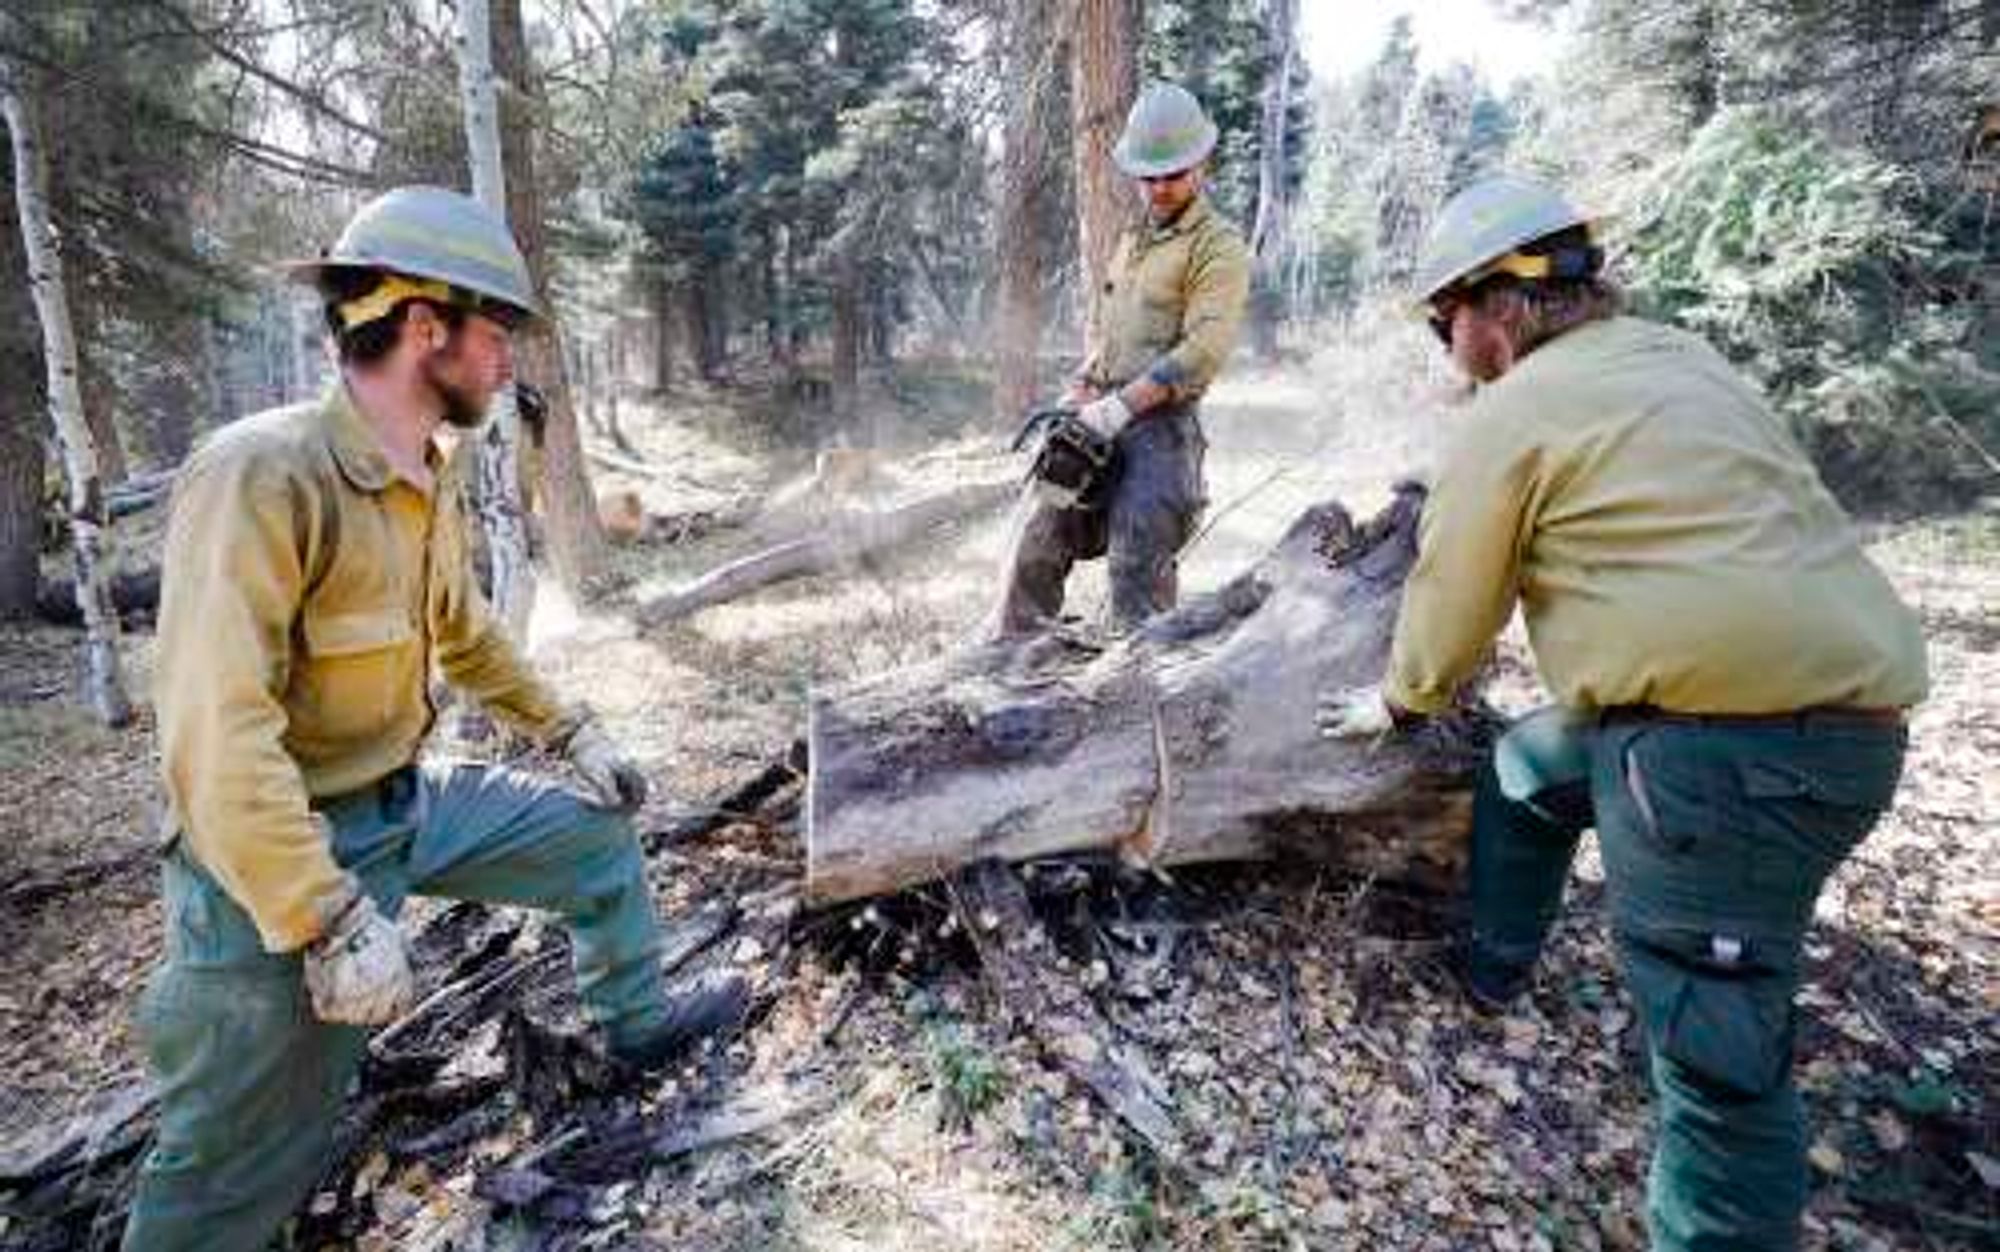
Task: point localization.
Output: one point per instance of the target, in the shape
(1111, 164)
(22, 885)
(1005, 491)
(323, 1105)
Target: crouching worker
(1732, 675)
(316, 565)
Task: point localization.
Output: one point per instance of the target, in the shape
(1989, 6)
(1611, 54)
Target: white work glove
(614, 781)
(358, 970)
(1107, 416)
(1355, 713)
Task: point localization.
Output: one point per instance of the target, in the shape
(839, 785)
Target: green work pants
(1139, 521)
(251, 1081)
(1717, 835)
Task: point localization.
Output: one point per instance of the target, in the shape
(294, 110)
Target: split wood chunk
(1192, 740)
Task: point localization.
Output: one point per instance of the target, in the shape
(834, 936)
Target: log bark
(1193, 740)
(840, 542)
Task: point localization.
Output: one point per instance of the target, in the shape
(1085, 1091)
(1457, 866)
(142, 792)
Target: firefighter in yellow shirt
(1162, 325)
(1731, 675)
(316, 568)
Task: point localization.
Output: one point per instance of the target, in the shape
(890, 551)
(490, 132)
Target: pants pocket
(1731, 1029)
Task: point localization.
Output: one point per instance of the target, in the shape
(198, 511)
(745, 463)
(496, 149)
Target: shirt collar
(355, 447)
(1190, 217)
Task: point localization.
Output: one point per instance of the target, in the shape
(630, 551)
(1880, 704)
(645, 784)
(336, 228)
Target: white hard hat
(1485, 222)
(1165, 133)
(431, 233)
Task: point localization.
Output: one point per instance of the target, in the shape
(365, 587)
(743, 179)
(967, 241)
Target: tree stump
(1192, 740)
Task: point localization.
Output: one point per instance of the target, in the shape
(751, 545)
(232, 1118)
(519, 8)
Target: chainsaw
(1071, 461)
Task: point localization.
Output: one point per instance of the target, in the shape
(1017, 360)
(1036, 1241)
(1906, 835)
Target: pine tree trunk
(99, 399)
(660, 292)
(89, 523)
(21, 454)
(1267, 236)
(576, 537)
(21, 468)
(846, 378)
(1025, 252)
(1104, 78)
(500, 448)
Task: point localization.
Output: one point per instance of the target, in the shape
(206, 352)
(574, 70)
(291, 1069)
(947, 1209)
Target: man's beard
(460, 410)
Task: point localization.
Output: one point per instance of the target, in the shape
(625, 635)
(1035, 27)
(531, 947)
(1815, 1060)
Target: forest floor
(1333, 1089)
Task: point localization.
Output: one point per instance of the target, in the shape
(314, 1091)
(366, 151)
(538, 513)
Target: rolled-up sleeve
(234, 576)
(1218, 289)
(1470, 542)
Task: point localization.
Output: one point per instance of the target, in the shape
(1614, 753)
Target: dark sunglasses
(1441, 317)
(506, 316)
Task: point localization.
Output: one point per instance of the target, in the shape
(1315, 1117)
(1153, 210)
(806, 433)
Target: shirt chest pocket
(362, 668)
(1157, 292)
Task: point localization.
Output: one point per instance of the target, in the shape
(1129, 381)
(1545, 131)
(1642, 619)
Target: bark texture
(1104, 78)
(501, 510)
(1193, 740)
(576, 541)
(90, 526)
(1026, 252)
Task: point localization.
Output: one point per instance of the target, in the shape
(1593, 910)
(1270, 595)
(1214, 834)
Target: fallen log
(1193, 740)
(841, 540)
(741, 802)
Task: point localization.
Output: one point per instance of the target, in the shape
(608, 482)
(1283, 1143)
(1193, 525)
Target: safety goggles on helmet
(394, 289)
(1562, 264)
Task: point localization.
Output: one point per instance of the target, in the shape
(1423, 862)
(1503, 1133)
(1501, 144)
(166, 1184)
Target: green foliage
(681, 202)
(969, 1080)
(1816, 269)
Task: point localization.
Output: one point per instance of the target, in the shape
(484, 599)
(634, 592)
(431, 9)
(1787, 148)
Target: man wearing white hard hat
(316, 569)
(1164, 320)
(1731, 676)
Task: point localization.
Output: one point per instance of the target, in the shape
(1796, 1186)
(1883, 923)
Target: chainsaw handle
(1037, 419)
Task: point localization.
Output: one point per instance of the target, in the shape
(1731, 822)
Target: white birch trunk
(89, 521)
(1268, 232)
(500, 505)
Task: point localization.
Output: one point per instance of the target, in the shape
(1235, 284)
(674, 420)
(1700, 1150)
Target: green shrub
(1825, 274)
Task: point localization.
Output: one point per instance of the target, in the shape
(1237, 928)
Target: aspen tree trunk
(1104, 78)
(89, 523)
(1025, 258)
(1267, 235)
(500, 448)
(576, 538)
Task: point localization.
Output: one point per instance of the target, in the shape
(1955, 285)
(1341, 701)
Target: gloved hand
(1356, 713)
(614, 781)
(1106, 416)
(358, 970)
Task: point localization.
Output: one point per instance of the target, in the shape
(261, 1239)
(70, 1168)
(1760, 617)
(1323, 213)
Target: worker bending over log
(1731, 673)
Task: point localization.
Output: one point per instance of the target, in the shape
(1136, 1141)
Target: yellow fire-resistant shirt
(307, 591)
(1668, 540)
(1171, 305)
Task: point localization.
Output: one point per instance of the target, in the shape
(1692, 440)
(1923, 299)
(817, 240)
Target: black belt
(1794, 719)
